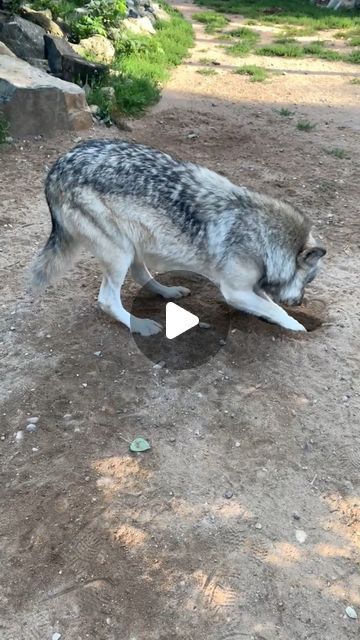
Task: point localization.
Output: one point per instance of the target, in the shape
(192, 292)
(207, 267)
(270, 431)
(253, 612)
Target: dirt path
(98, 544)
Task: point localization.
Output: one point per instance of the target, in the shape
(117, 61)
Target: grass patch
(239, 49)
(213, 21)
(289, 50)
(141, 64)
(286, 113)
(353, 57)
(207, 72)
(305, 125)
(4, 128)
(355, 81)
(244, 34)
(297, 13)
(298, 32)
(255, 73)
(337, 153)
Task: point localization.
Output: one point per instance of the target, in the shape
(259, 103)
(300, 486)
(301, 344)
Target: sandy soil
(96, 543)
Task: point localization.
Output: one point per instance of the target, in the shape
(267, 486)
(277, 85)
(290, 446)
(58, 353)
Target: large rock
(65, 63)
(43, 19)
(24, 38)
(34, 102)
(98, 46)
(139, 25)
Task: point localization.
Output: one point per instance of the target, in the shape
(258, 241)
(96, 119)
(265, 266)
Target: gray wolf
(131, 205)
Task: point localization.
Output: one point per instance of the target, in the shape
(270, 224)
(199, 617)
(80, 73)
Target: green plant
(141, 65)
(248, 35)
(207, 72)
(256, 74)
(285, 112)
(4, 128)
(355, 81)
(289, 50)
(301, 13)
(213, 21)
(353, 57)
(305, 125)
(337, 152)
(238, 49)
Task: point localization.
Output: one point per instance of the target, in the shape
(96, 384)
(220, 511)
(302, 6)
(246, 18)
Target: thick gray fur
(131, 205)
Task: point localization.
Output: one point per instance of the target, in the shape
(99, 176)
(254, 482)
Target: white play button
(178, 320)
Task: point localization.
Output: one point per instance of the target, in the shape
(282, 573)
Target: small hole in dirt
(307, 318)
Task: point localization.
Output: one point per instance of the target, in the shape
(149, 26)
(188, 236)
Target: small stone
(97, 353)
(31, 428)
(32, 420)
(56, 636)
(222, 342)
(12, 328)
(237, 444)
(84, 384)
(228, 494)
(94, 109)
(300, 536)
(296, 516)
(19, 436)
(159, 365)
(67, 416)
(351, 613)
(258, 526)
(192, 135)
(35, 449)
(2, 437)
(204, 325)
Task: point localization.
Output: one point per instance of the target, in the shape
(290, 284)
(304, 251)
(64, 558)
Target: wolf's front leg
(263, 307)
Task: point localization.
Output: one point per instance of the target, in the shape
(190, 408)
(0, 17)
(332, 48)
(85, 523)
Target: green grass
(298, 32)
(255, 73)
(355, 81)
(353, 57)
(305, 125)
(286, 113)
(207, 72)
(213, 21)
(289, 50)
(337, 153)
(244, 34)
(239, 49)
(4, 128)
(301, 13)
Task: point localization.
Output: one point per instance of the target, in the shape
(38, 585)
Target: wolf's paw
(174, 293)
(145, 327)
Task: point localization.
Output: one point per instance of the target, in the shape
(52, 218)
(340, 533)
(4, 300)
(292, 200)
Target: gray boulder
(25, 39)
(34, 102)
(65, 63)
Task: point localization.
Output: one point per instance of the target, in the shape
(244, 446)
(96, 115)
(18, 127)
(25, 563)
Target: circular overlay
(193, 346)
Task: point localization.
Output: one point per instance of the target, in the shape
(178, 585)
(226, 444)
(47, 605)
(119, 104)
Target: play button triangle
(178, 320)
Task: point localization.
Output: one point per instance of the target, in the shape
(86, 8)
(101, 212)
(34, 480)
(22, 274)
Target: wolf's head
(307, 265)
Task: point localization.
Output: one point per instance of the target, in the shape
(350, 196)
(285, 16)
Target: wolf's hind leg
(142, 275)
(115, 269)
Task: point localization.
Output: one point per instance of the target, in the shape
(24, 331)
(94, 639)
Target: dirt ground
(98, 543)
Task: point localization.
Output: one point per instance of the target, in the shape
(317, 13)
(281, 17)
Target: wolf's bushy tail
(55, 255)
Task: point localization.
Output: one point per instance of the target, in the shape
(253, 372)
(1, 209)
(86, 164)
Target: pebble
(32, 420)
(258, 525)
(19, 436)
(192, 135)
(31, 428)
(296, 516)
(56, 636)
(351, 613)
(300, 536)
(35, 449)
(204, 325)
(159, 365)
(84, 384)
(228, 494)
(237, 444)
(97, 353)
(222, 342)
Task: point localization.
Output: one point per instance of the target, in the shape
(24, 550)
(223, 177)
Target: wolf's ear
(311, 256)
